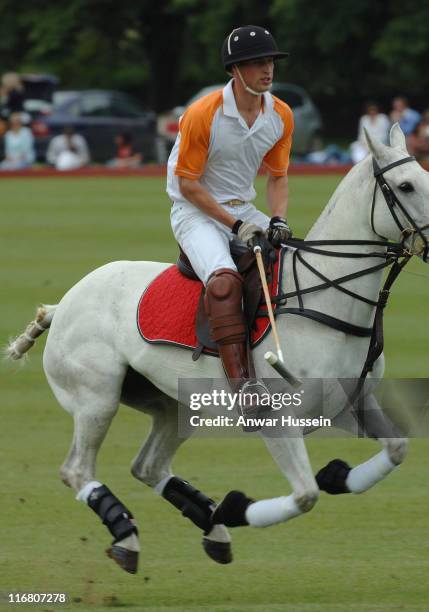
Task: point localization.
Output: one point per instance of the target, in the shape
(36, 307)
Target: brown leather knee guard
(223, 304)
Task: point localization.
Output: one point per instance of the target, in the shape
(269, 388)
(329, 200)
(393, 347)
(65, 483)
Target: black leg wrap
(332, 478)
(117, 518)
(192, 503)
(231, 512)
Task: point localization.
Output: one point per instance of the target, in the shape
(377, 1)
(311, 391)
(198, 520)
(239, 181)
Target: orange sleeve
(194, 128)
(277, 159)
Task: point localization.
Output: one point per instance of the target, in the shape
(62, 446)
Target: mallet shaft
(259, 261)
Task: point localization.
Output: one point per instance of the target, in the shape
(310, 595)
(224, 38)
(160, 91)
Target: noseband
(393, 201)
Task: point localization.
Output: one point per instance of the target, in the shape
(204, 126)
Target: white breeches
(206, 241)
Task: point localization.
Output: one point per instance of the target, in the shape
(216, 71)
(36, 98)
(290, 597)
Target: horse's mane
(358, 173)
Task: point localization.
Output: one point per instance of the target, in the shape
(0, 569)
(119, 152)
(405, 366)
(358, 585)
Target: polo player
(223, 140)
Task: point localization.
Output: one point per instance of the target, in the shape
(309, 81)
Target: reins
(396, 257)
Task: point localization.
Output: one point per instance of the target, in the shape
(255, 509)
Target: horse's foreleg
(291, 456)
(153, 467)
(338, 477)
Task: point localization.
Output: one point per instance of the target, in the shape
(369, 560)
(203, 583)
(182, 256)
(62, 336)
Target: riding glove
(278, 231)
(247, 231)
(253, 235)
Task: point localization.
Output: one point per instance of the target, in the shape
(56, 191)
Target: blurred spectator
(125, 154)
(11, 96)
(406, 116)
(68, 151)
(376, 124)
(331, 155)
(18, 144)
(418, 141)
(3, 121)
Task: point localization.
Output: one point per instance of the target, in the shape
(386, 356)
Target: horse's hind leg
(90, 428)
(93, 401)
(338, 477)
(152, 466)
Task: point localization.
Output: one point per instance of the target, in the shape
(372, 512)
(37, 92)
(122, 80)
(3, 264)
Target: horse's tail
(18, 347)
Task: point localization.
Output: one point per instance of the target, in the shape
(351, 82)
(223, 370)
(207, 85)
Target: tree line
(163, 51)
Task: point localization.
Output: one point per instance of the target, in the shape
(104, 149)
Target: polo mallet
(279, 367)
(277, 362)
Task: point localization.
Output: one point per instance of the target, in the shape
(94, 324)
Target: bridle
(395, 255)
(393, 201)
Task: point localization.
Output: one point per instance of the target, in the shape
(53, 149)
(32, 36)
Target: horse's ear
(377, 148)
(397, 138)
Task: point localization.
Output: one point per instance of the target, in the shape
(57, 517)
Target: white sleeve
(82, 147)
(386, 128)
(52, 153)
(361, 135)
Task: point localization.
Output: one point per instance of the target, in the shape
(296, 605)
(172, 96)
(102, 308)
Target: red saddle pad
(167, 309)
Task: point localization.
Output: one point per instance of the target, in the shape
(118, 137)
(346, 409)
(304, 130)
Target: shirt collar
(230, 107)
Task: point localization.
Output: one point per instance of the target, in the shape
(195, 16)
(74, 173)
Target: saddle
(171, 310)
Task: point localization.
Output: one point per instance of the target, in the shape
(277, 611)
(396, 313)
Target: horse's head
(400, 209)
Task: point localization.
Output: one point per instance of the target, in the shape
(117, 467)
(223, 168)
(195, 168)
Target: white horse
(95, 358)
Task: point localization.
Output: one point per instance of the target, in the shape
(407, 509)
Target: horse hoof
(220, 552)
(127, 559)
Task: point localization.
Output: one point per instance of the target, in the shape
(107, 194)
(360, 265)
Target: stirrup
(254, 409)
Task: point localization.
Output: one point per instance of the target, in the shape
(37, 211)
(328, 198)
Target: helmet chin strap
(246, 87)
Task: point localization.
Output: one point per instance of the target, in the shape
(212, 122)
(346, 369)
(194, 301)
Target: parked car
(38, 93)
(98, 115)
(308, 123)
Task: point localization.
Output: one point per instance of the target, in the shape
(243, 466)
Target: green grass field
(349, 554)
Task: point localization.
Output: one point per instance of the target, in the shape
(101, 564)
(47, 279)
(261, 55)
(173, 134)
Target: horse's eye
(407, 187)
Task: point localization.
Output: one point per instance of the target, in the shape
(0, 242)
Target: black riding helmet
(247, 43)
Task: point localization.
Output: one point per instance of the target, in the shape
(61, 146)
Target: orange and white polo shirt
(215, 145)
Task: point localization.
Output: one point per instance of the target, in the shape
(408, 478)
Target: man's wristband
(277, 219)
(236, 226)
